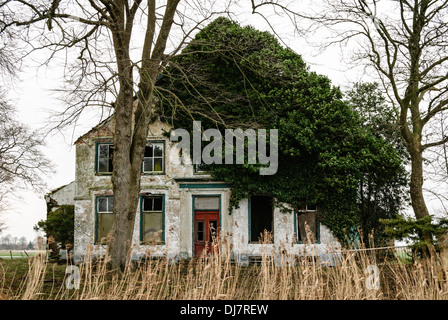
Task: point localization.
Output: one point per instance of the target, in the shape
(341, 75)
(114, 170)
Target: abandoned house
(181, 207)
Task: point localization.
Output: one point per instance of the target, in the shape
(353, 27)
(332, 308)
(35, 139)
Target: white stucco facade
(179, 185)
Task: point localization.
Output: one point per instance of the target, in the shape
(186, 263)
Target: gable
(105, 128)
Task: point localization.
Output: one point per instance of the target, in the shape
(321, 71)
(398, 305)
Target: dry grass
(215, 277)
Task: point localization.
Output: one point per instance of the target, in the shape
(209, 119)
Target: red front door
(206, 225)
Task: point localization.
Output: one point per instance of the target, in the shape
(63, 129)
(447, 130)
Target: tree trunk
(443, 238)
(416, 184)
(125, 188)
(416, 191)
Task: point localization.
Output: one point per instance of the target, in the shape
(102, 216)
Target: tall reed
(278, 275)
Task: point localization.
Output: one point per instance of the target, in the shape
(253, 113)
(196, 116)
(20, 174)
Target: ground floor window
(261, 215)
(152, 219)
(104, 217)
(307, 225)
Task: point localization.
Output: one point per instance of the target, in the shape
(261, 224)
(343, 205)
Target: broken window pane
(200, 231)
(148, 151)
(105, 154)
(147, 204)
(153, 160)
(104, 151)
(158, 150)
(158, 202)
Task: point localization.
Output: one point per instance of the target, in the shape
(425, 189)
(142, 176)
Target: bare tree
(405, 43)
(121, 47)
(22, 162)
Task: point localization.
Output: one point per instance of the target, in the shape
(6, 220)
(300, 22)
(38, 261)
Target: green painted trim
(203, 185)
(140, 199)
(97, 143)
(196, 179)
(141, 216)
(193, 215)
(96, 215)
(296, 234)
(249, 213)
(295, 226)
(192, 224)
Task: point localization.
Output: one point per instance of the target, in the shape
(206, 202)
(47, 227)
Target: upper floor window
(104, 158)
(154, 158)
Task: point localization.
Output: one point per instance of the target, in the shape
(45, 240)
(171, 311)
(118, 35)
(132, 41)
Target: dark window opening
(200, 231)
(261, 217)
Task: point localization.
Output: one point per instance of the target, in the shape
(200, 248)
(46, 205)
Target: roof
(94, 129)
(59, 188)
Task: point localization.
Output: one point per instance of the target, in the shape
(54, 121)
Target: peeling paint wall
(178, 206)
(284, 236)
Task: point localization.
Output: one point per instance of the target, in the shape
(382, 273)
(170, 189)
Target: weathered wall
(284, 236)
(178, 207)
(89, 185)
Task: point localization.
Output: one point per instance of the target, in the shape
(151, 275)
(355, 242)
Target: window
(200, 168)
(152, 208)
(307, 225)
(261, 217)
(104, 158)
(105, 217)
(153, 160)
(206, 203)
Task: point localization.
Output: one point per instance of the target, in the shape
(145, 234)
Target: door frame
(193, 196)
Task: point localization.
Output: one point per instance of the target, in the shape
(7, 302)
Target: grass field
(7, 254)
